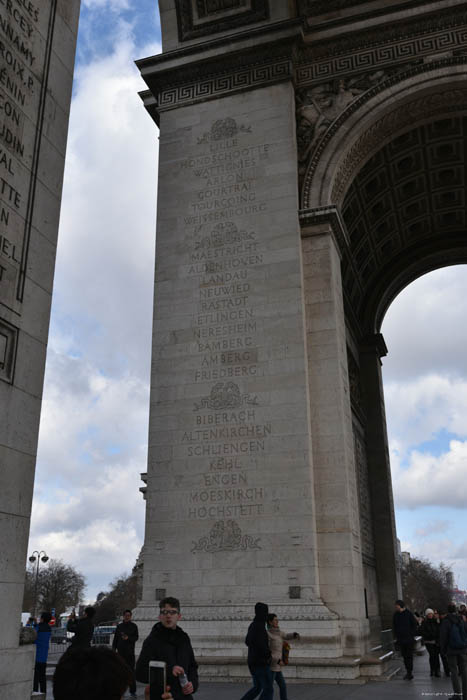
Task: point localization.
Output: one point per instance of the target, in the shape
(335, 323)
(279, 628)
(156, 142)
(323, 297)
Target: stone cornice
(255, 58)
(312, 220)
(383, 46)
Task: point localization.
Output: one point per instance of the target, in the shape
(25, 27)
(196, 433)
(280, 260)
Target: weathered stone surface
(35, 92)
(279, 248)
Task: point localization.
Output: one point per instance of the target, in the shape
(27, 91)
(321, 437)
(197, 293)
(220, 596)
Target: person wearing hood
(259, 656)
(42, 651)
(430, 633)
(276, 639)
(168, 642)
(454, 645)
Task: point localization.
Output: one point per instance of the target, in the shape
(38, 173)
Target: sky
(87, 509)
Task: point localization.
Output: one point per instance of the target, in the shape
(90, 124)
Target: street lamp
(44, 558)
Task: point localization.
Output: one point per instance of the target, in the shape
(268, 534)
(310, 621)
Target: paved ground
(422, 687)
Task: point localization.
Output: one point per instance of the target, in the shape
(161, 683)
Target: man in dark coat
(259, 656)
(83, 629)
(404, 626)
(125, 638)
(168, 642)
(456, 655)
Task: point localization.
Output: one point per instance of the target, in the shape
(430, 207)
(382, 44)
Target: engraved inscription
(228, 435)
(23, 46)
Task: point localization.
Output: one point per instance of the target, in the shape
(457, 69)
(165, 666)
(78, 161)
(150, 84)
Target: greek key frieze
(380, 56)
(223, 84)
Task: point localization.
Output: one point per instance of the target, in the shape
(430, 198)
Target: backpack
(458, 636)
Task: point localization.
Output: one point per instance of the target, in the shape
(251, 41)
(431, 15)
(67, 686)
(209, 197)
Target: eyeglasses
(169, 612)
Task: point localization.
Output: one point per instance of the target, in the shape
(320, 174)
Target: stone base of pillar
(219, 630)
(16, 672)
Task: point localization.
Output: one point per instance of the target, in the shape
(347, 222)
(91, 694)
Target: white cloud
(429, 480)
(417, 409)
(431, 528)
(425, 327)
(87, 508)
(114, 5)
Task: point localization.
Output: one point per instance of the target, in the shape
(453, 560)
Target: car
(103, 634)
(59, 635)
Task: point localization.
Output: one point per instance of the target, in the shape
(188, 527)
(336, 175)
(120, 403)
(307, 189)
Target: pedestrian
(125, 638)
(276, 640)
(42, 651)
(441, 614)
(404, 626)
(453, 640)
(82, 628)
(429, 630)
(259, 656)
(168, 642)
(93, 673)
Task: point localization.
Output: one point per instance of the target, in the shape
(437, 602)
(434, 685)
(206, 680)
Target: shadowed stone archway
(312, 163)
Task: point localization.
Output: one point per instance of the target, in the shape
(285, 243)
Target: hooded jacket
(42, 641)
(445, 631)
(257, 639)
(174, 647)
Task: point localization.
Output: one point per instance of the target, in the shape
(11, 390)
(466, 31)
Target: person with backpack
(453, 641)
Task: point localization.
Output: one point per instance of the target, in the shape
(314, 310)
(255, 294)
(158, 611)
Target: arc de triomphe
(312, 164)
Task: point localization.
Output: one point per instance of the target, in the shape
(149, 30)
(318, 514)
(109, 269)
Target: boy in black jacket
(259, 656)
(168, 642)
(125, 638)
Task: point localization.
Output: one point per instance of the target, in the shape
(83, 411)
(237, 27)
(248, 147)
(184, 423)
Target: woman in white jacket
(276, 640)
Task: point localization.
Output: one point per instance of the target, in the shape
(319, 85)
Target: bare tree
(424, 585)
(59, 586)
(123, 594)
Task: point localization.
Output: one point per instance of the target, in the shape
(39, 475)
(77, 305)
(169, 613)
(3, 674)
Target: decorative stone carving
(354, 381)
(224, 234)
(225, 536)
(223, 129)
(226, 396)
(319, 106)
(198, 18)
(390, 123)
(437, 103)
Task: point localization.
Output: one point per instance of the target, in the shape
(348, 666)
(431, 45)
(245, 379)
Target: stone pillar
(230, 516)
(379, 474)
(38, 40)
(337, 519)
